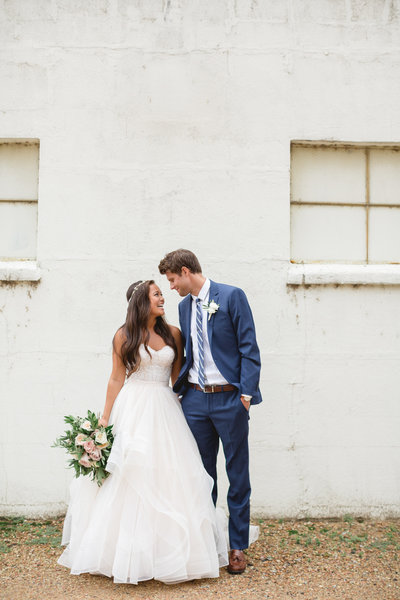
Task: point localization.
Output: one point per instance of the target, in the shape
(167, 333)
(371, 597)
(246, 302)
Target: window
(19, 168)
(345, 203)
(19, 173)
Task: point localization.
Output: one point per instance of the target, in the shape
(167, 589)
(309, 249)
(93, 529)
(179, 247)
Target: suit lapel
(188, 307)
(213, 295)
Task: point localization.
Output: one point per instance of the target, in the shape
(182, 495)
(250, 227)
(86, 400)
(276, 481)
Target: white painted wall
(166, 124)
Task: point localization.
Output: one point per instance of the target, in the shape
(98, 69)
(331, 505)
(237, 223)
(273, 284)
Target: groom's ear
(185, 271)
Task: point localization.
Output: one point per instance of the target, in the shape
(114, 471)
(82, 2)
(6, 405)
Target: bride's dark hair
(135, 327)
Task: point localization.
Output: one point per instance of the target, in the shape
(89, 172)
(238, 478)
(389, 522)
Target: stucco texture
(166, 124)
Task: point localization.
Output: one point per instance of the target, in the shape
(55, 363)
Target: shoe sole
(236, 572)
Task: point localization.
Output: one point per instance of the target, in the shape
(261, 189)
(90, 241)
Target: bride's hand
(103, 422)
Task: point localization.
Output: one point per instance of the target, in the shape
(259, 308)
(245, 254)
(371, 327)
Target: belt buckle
(209, 391)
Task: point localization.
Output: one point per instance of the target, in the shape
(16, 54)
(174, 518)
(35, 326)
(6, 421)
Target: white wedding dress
(153, 517)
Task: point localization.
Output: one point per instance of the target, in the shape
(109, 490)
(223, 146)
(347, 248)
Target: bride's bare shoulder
(176, 332)
(119, 339)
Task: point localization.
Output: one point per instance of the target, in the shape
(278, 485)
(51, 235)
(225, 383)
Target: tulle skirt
(153, 517)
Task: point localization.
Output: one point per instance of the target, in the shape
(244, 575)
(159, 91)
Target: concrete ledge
(336, 274)
(296, 511)
(20, 270)
(34, 511)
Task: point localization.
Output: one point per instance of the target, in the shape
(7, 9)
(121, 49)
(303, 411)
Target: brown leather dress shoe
(237, 562)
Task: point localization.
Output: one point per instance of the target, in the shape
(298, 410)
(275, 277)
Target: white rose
(213, 307)
(86, 425)
(80, 438)
(101, 437)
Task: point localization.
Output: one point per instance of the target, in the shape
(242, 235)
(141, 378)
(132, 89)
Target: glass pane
(18, 226)
(19, 171)
(328, 175)
(384, 235)
(328, 233)
(384, 176)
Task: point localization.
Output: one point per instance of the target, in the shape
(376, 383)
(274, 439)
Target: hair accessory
(135, 288)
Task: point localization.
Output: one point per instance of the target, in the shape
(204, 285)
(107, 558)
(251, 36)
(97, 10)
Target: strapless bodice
(155, 368)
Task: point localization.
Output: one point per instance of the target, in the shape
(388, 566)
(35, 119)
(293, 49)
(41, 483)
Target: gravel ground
(350, 559)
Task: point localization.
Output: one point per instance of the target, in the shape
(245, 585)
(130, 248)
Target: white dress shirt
(211, 372)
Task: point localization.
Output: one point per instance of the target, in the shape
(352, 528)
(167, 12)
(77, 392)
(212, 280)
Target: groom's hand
(245, 400)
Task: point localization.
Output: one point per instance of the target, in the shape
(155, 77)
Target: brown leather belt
(211, 389)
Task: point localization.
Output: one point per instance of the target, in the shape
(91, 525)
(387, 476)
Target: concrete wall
(166, 124)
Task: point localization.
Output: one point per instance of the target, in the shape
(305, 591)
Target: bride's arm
(177, 364)
(117, 378)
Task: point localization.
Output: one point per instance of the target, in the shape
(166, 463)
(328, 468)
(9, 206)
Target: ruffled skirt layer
(153, 517)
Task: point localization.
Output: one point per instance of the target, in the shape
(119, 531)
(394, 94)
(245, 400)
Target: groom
(218, 382)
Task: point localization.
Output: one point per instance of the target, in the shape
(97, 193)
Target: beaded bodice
(156, 367)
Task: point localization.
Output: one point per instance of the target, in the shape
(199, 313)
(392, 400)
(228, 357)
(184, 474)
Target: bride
(154, 516)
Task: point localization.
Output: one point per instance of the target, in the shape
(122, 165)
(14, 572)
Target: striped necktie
(200, 342)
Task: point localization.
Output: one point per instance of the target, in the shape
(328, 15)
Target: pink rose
(95, 454)
(85, 461)
(89, 446)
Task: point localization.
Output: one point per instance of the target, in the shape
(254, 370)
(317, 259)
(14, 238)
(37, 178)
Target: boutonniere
(211, 308)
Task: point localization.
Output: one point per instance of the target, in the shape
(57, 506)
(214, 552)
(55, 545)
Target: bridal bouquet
(89, 444)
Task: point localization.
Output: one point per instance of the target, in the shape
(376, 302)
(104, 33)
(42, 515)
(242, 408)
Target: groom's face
(181, 283)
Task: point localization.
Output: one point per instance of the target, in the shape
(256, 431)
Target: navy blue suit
(221, 415)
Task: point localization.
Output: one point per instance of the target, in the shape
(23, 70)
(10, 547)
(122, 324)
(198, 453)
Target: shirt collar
(203, 293)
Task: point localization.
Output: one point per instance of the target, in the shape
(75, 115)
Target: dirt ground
(350, 559)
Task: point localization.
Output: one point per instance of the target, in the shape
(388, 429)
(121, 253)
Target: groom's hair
(174, 261)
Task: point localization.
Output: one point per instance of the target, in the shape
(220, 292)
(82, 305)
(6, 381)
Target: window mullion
(367, 198)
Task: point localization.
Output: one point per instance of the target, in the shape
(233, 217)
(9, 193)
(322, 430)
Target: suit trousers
(215, 416)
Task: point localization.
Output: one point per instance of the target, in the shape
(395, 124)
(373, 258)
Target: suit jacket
(232, 338)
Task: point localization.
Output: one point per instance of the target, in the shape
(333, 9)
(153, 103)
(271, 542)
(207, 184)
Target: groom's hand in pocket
(245, 400)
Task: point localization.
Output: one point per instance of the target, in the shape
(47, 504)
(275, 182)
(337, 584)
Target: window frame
(331, 273)
(20, 269)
